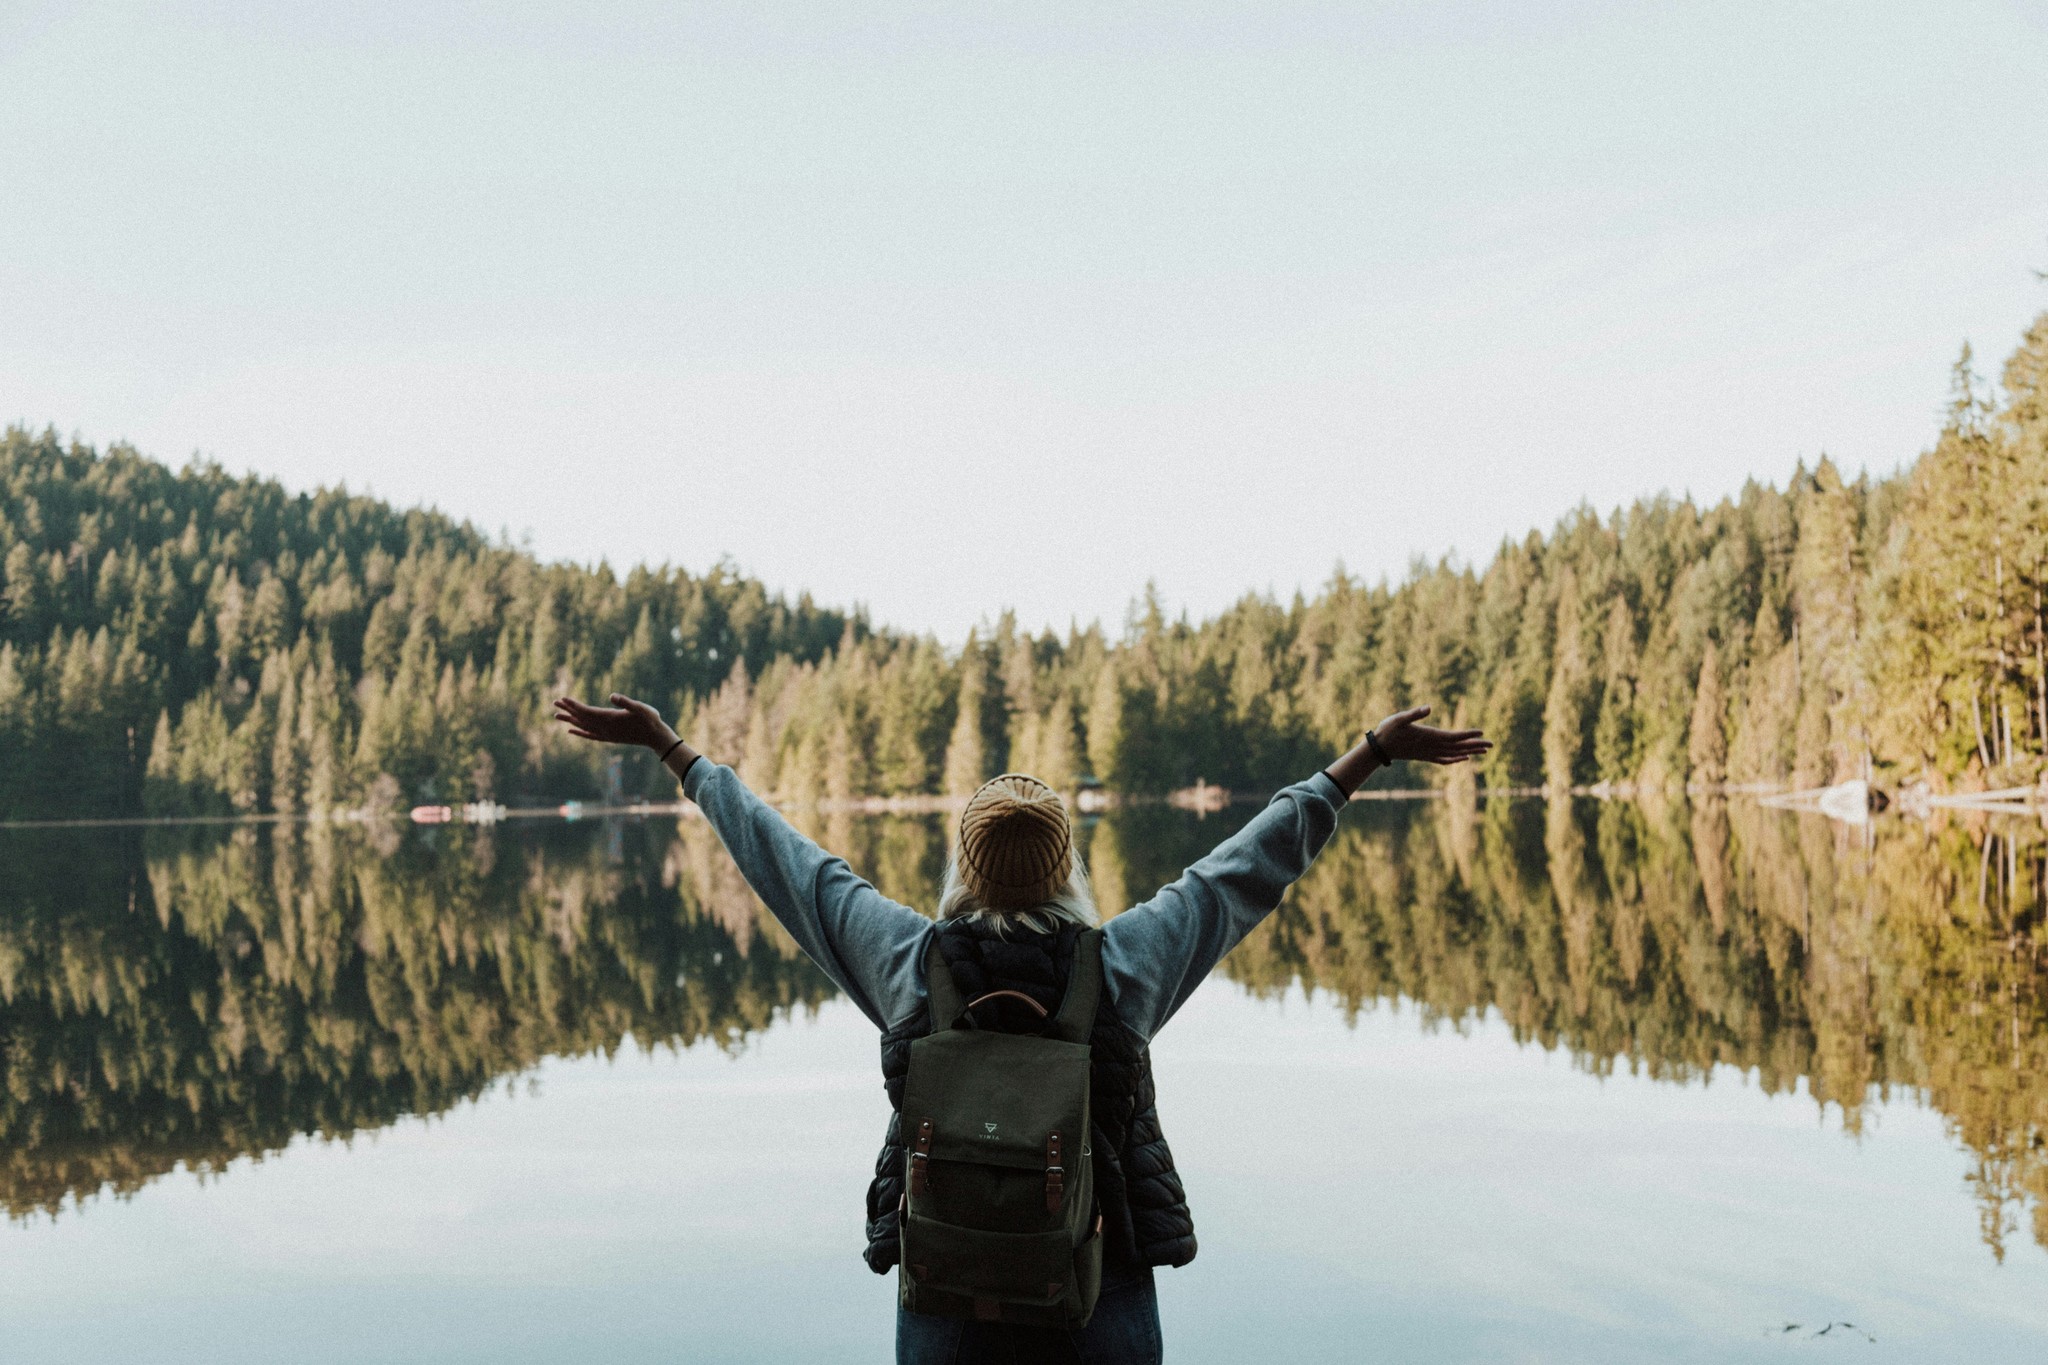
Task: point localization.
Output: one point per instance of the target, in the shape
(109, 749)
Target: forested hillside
(184, 641)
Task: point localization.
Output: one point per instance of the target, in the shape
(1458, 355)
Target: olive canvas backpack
(999, 1219)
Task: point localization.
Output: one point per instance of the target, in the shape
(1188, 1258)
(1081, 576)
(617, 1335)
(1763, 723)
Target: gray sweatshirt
(1153, 955)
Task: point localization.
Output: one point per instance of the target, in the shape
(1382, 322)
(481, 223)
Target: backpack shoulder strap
(940, 991)
(1076, 1018)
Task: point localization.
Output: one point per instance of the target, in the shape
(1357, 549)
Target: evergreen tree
(967, 764)
(1574, 695)
(1707, 739)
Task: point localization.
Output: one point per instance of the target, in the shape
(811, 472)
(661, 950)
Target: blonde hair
(1073, 903)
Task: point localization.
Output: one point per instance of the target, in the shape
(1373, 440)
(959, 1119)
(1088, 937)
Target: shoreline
(1850, 802)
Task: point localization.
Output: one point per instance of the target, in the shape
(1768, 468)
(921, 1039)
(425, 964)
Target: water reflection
(1672, 939)
(192, 998)
(189, 997)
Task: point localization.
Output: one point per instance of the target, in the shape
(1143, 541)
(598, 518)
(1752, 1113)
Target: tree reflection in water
(192, 996)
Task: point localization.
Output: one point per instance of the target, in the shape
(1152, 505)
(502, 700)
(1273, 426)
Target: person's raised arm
(869, 945)
(1402, 736)
(627, 721)
(1155, 954)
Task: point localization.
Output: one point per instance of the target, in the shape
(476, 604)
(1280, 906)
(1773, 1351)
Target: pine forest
(188, 642)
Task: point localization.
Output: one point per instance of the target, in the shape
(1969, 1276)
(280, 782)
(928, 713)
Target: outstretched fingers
(1455, 746)
(584, 721)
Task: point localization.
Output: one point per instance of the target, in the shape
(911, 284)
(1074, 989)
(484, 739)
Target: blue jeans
(1124, 1331)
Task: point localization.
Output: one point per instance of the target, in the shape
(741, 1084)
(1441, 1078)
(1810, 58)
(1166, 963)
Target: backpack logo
(989, 1129)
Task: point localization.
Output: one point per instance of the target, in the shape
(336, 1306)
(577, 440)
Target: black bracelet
(1372, 742)
(671, 749)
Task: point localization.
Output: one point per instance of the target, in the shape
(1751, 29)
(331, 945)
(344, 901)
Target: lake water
(1505, 1082)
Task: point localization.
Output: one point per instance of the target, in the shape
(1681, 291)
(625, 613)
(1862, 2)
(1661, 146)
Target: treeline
(190, 642)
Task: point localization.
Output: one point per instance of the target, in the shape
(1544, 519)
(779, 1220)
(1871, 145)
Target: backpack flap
(996, 1099)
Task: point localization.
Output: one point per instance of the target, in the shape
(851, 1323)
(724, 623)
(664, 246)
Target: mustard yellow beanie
(1016, 844)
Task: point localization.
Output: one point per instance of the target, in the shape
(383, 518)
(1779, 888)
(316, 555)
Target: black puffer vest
(1145, 1218)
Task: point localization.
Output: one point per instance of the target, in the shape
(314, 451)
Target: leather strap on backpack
(1018, 996)
(1076, 1019)
(921, 1158)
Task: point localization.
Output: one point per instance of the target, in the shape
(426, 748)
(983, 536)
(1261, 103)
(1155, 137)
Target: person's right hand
(1404, 738)
(625, 721)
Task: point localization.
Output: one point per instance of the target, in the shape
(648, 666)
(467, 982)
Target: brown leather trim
(1017, 995)
(988, 1310)
(920, 1159)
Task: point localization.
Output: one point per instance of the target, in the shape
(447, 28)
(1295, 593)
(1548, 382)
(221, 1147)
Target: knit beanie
(1016, 846)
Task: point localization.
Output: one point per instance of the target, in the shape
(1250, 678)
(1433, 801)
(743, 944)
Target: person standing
(1013, 907)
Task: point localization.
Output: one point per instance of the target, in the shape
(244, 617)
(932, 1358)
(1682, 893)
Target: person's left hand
(625, 721)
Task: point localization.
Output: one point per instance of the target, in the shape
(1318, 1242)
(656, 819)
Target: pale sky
(942, 308)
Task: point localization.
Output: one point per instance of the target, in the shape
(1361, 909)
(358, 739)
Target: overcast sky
(942, 308)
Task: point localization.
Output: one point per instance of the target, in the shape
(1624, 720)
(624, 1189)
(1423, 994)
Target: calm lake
(1500, 1082)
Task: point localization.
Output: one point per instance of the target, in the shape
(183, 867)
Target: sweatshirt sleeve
(1155, 954)
(870, 946)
